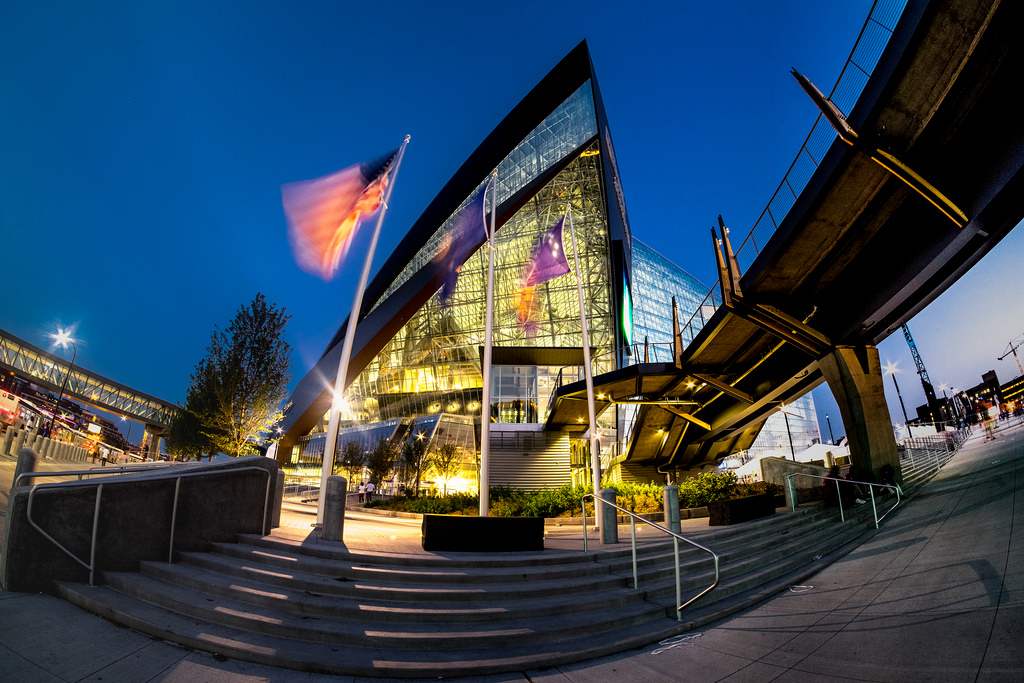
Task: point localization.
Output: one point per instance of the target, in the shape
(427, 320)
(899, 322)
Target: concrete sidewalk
(937, 594)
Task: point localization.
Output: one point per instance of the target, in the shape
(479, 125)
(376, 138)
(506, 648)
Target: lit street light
(890, 369)
(62, 339)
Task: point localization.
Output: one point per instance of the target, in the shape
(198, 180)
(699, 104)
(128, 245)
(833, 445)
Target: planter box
(459, 533)
(738, 510)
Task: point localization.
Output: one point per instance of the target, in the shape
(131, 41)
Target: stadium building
(416, 364)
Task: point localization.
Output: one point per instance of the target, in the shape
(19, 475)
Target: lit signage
(94, 428)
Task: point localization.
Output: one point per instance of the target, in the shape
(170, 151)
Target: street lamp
(62, 339)
(782, 409)
(831, 439)
(890, 369)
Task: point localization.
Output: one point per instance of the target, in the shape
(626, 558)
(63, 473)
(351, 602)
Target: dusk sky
(143, 146)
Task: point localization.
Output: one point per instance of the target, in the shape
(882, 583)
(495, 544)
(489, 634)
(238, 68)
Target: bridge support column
(854, 375)
(153, 442)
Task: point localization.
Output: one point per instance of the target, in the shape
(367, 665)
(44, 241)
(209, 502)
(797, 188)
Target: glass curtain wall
(433, 364)
(655, 281)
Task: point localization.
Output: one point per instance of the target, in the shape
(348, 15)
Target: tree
(446, 460)
(415, 457)
(238, 387)
(187, 435)
(351, 459)
(381, 459)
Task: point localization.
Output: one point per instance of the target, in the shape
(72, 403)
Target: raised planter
(460, 533)
(723, 512)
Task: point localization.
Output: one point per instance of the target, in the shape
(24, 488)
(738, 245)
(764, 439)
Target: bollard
(19, 441)
(609, 518)
(275, 514)
(5, 447)
(334, 508)
(26, 463)
(670, 500)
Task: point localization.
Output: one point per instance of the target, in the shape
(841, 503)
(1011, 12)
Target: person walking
(362, 491)
(369, 491)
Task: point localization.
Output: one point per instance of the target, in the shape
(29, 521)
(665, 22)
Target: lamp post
(831, 439)
(62, 339)
(782, 409)
(890, 369)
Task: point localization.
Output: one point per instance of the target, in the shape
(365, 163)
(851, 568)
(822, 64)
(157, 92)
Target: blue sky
(142, 147)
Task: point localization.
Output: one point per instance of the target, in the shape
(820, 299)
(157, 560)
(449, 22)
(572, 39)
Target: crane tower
(929, 390)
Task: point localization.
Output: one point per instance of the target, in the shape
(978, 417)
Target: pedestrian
(369, 491)
(362, 491)
(989, 412)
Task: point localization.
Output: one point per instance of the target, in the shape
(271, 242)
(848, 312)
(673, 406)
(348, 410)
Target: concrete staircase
(322, 608)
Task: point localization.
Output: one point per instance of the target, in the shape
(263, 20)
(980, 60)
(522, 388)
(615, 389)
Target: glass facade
(655, 281)
(433, 364)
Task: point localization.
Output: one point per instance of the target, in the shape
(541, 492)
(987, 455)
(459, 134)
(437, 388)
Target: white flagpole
(485, 410)
(595, 443)
(337, 399)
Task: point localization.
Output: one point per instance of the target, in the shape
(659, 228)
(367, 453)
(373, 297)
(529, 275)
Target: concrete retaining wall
(216, 502)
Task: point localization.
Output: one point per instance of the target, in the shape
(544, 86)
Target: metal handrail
(675, 546)
(85, 473)
(91, 565)
(839, 495)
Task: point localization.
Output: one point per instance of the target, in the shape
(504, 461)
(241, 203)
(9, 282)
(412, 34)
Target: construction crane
(929, 390)
(1013, 346)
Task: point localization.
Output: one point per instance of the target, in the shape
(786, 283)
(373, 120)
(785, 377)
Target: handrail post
(679, 582)
(839, 497)
(632, 531)
(874, 508)
(92, 543)
(174, 520)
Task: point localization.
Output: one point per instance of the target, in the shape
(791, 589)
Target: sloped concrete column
(854, 374)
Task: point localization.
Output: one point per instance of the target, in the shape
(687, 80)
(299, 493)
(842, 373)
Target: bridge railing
(873, 38)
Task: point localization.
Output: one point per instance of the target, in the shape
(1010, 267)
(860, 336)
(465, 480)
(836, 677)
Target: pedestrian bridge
(48, 370)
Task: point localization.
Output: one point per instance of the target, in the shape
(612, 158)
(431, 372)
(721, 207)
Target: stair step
(325, 608)
(323, 581)
(343, 658)
(289, 596)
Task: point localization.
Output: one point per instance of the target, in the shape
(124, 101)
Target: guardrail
(90, 566)
(839, 493)
(675, 545)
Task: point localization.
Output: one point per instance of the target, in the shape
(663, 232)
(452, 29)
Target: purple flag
(467, 233)
(549, 259)
(548, 262)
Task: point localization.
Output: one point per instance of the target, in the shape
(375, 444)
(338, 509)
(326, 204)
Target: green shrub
(707, 487)
(567, 500)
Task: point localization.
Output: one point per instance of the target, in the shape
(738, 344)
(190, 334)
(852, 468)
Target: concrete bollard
(670, 501)
(19, 441)
(334, 508)
(26, 463)
(5, 447)
(609, 518)
(275, 514)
